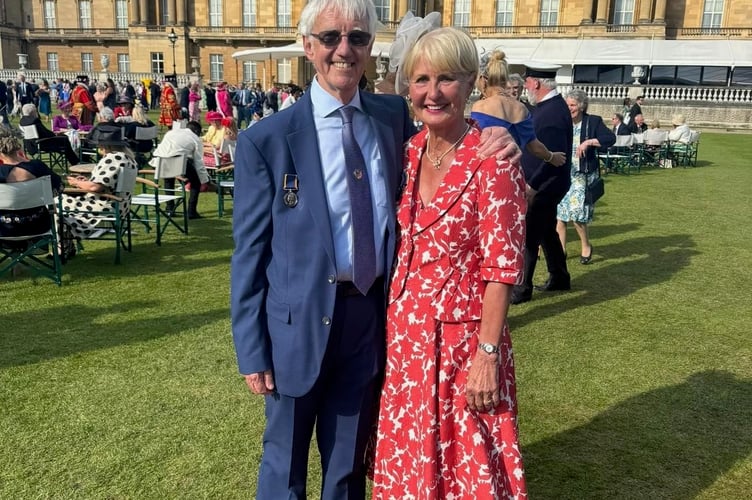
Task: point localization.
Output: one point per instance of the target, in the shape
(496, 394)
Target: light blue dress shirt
(328, 123)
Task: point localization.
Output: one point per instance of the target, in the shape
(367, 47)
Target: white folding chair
(23, 249)
(55, 153)
(168, 201)
(144, 136)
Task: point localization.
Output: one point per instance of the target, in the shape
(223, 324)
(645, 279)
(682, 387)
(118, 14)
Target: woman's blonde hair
(10, 140)
(139, 115)
(445, 50)
(496, 70)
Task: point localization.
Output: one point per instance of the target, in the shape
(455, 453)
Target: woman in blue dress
(590, 134)
(497, 107)
(45, 107)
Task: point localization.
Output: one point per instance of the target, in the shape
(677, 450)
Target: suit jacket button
(331, 279)
(326, 320)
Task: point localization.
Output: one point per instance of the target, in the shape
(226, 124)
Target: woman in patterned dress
(116, 156)
(448, 411)
(590, 134)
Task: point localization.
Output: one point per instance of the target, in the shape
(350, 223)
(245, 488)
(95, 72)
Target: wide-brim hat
(64, 105)
(213, 116)
(107, 135)
(678, 120)
(125, 100)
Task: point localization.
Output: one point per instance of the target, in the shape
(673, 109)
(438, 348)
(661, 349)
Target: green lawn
(122, 383)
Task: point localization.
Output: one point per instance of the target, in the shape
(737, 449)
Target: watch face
(488, 348)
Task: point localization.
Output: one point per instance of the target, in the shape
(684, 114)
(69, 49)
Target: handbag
(595, 190)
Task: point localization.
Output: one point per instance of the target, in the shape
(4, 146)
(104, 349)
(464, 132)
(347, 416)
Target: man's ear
(308, 46)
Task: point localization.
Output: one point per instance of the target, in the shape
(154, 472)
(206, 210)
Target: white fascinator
(410, 28)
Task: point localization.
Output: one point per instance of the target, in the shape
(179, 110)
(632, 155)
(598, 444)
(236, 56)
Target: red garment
(224, 104)
(169, 108)
(120, 111)
(429, 444)
(84, 106)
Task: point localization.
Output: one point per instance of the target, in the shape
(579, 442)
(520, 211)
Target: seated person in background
(51, 141)
(617, 125)
(115, 156)
(185, 142)
(15, 167)
(681, 131)
(139, 120)
(638, 125)
(124, 111)
(655, 124)
(220, 129)
(64, 121)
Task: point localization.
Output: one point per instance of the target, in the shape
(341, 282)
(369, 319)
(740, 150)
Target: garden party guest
(50, 140)
(84, 107)
(680, 132)
(448, 412)
(124, 111)
(169, 108)
(45, 101)
(588, 135)
(64, 121)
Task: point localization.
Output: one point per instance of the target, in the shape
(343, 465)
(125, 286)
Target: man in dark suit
(24, 90)
(617, 125)
(637, 125)
(3, 103)
(546, 184)
(305, 335)
(636, 108)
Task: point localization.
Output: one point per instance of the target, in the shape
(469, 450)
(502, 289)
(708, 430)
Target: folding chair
(618, 157)
(112, 224)
(692, 147)
(656, 149)
(40, 147)
(225, 186)
(24, 250)
(168, 203)
(144, 134)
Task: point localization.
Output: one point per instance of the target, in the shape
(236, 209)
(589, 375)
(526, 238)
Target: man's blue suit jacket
(283, 279)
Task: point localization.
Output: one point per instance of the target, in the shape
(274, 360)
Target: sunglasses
(356, 38)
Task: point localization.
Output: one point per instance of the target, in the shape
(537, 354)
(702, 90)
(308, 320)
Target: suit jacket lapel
(303, 143)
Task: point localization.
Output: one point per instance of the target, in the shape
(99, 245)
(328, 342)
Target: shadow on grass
(671, 442)
(40, 335)
(657, 259)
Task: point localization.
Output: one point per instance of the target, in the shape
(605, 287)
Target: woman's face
(574, 108)
(438, 98)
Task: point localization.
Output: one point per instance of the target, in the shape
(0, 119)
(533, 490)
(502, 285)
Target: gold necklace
(436, 162)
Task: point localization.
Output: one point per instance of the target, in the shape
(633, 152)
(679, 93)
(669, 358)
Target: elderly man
(185, 142)
(546, 184)
(314, 244)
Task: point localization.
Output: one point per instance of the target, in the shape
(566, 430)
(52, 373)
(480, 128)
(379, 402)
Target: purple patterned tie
(364, 248)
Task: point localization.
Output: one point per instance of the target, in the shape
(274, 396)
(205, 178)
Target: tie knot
(347, 113)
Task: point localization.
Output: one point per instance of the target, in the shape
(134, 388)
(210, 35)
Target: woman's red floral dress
(429, 444)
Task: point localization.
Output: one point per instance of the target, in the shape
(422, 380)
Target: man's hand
(498, 142)
(261, 382)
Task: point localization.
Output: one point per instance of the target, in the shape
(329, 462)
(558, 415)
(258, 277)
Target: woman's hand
(582, 148)
(482, 391)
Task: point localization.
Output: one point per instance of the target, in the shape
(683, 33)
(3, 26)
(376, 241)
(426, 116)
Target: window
(602, 74)
(624, 12)
(549, 15)
(216, 67)
(461, 13)
(157, 62)
(742, 76)
(412, 6)
(87, 61)
(249, 13)
(49, 14)
(124, 63)
(284, 16)
(52, 64)
(163, 10)
(716, 76)
(284, 71)
(215, 12)
(712, 13)
(84, 12)
(504, 12)
(382, 10)
(121, 14)
(249, 71)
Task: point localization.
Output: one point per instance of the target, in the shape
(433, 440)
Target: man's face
(339, 65)
(639, 120)
(532, 85)
(615, 120)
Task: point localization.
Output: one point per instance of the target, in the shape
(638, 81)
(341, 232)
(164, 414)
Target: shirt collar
(324, 104)
(550, 95)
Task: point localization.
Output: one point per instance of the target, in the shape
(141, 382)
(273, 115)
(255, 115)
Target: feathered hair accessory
(410, 29)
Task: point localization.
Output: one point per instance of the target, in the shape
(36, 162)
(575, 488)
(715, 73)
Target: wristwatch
(488, 348)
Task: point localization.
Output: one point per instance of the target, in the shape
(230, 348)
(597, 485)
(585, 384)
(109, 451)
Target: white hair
(352, 10)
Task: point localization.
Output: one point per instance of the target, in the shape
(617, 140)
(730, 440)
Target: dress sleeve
(501, 215)
(525, 131)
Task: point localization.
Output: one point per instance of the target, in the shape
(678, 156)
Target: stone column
(644, 16)
(171, 8)
(660, 12)
(144, 19)
(601, 16)
(587, 15)
(181, 12)
(135, 12)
